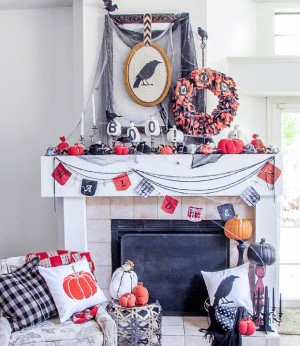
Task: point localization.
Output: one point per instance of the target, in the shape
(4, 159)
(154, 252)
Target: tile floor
(184, 331)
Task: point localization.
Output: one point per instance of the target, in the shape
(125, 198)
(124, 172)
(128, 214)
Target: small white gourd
(236, 133)
(174, 135)
(152, 127)
(134, 133)
(123, 280)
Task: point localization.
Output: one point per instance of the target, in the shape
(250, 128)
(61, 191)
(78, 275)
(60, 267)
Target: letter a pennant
(122, 182)
(61, 174)
(169, 205)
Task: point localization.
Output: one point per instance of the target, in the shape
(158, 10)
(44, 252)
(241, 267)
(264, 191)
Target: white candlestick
(82, 125)
(94, 112)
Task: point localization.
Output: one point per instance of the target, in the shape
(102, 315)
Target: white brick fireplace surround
(85, 223)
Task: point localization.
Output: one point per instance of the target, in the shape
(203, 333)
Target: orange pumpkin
(141, 293)
(206, 149)
(166, 150)
(75, 150)
(238, 228)
(80, 285)
(127, 300)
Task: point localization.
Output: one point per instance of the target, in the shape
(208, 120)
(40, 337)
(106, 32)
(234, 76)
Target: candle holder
(94, 133)
(81, 140)
(262, 315)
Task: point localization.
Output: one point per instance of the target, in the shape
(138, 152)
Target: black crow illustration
(111, 116)
(109, 6)
(224, 289)
(202, 33)
(146, 73)
(125, 139)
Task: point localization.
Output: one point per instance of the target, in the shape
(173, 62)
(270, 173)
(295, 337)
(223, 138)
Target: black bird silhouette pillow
(229, 287)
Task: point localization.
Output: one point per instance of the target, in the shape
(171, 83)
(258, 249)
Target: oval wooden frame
(168, 80)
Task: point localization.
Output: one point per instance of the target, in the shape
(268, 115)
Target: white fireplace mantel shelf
(192, 181)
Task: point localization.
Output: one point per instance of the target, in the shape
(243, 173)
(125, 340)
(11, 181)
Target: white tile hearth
(184, 331)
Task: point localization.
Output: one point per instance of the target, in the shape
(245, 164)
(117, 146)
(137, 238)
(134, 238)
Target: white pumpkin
(236, 133)
(114, 128)
(123, 280)
(152, 127)
(175, 136)
(134, 133)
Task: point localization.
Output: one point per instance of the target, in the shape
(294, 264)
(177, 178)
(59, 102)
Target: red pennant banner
(269, 173)
(194, 214)
(122, 182)
(169, 205)
(61, 174)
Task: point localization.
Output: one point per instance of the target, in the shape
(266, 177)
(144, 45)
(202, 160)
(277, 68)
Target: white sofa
(100, 331)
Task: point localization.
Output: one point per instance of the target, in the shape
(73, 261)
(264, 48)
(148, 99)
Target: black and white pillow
(24, 297)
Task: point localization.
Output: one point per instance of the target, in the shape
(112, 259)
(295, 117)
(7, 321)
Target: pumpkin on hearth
(127, 300)
(123, 280)
(247, 326)
(230, 146)
(141, 293)
(261, 253)
(79, 285)
(237, 228)
(75, 150)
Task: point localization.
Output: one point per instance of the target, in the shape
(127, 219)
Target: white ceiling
(20, 4)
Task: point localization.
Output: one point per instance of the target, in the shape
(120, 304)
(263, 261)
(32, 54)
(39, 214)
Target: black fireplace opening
(169, 257)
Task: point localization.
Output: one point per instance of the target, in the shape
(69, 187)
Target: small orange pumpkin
(166, 150)
(75, 150)
(206, 149)
(247, 326)
(127, 300)
(79, 285)
(141, 293)
(238, 228)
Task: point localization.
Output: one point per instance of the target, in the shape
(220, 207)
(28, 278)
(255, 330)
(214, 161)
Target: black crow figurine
(202, 33)
(111, 116)
(224, 289)
(109, 6)
(146, 73)
(125, 139)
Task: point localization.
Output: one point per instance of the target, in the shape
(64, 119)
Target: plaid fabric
(51, 258)
(60, 257)
(250, 196)
(144, 188)
(24, 297)
(77, 256)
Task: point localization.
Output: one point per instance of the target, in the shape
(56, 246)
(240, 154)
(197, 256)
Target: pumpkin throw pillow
(229, 287)
(73, 288)
(24, 297)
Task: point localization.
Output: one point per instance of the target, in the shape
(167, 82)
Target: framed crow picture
(147, 74)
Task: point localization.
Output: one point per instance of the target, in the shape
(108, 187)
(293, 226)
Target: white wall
(35, 110)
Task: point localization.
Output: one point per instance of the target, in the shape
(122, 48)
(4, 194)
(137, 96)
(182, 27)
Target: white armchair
(100, 331)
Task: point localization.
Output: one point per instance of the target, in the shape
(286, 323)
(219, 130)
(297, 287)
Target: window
(290, 207)
(287, 32)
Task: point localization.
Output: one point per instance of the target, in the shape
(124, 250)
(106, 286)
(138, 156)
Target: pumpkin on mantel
(237, 228)
(261, 253)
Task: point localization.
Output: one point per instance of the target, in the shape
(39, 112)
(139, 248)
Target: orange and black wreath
(202, 124)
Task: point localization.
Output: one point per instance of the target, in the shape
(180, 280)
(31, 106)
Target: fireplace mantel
(71, 205)
(111, 166)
